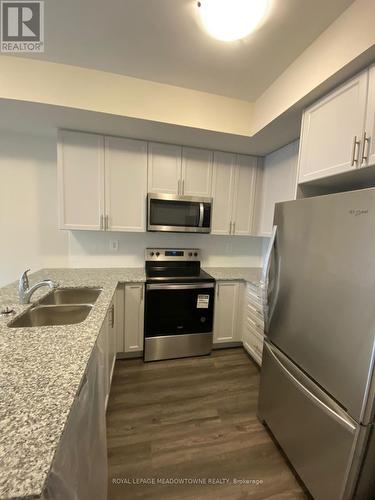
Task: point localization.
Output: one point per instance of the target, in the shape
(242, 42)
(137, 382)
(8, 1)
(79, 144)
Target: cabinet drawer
(254, 326)
(254, 346)
(255, 313)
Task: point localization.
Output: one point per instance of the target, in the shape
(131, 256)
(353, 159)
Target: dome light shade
(230, 20)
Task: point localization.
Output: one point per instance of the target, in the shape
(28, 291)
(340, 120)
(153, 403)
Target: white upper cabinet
(332, 130)
(164, 168)
(277, 182)
(233, 191)
(223, 181)
(368, 146)
(125, 184)
(226, 327)
(243, 202)
(196, 178)
(81, 180)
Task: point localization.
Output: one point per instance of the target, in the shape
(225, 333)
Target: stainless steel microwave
(178, 213)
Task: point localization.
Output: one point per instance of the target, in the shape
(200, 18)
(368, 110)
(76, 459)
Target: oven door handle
(201, 214)
(182, 286)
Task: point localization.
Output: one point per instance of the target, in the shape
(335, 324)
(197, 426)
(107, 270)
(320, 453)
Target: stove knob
(195, 254)
(152, 254)
(157, 254)
(190, 254)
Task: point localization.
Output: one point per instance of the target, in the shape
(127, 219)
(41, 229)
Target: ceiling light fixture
(230, 20)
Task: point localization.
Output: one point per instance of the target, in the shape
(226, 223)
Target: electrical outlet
(113, 245)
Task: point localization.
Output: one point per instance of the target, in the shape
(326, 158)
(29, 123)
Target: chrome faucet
(24, 290)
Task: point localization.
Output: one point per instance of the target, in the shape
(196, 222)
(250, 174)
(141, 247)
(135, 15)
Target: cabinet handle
(217, 291)
(113, 315)
(230, 227)
(365, 150)
(234, 227)
(183, 186)
(355, 150)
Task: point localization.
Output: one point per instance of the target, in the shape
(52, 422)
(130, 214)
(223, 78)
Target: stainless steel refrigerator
(317, 381)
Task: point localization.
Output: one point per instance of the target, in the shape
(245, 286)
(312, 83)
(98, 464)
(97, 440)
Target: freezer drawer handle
(340, 418)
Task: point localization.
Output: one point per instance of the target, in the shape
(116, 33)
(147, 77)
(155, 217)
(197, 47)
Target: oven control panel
(173, 254)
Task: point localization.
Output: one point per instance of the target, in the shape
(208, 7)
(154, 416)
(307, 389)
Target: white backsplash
(93, 249)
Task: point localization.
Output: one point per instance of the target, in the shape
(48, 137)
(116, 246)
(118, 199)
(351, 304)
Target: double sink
(63, 306)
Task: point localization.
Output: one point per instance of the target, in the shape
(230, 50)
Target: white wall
(91, 249)
(28, 206)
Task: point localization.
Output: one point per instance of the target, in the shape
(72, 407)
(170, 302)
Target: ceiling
(161, 40)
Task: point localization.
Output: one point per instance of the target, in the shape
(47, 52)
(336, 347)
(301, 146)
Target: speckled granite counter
(41, 370)
(249, 274)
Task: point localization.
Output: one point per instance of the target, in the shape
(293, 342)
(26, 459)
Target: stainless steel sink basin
(51, 315)
(72, 296)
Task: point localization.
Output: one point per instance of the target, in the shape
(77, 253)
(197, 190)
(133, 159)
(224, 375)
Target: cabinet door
(134, 312)
(226, 312)
(111, 342)
(119, 317)
(330, 130)
(222, 192)
(103, 347)
(125, 184)
(196, 172)
(81, 180)
(278, 183)
(244, 199)
(368, 151)
(164, 168)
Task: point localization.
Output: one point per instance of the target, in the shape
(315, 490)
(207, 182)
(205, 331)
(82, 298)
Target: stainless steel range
(179, 304)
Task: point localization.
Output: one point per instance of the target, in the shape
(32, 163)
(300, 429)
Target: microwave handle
(201, 214)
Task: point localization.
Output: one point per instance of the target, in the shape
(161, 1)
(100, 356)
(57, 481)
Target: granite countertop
(41, 370)
(248, 274)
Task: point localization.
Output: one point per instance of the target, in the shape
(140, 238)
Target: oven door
(175, 213)
(177, 309)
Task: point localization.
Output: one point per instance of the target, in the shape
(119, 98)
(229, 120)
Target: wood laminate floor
(192, 419)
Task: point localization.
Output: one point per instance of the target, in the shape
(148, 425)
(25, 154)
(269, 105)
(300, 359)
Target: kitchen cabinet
(233, 191)
(81, 180)
(111, 341)
(125, 184)
(253, 322)
(176, 170)
(102, 182)
(222, 192)
(164, 168)
(196, 174)
(134, 315)
(368, 138)
(227, 304)
(79, 467)
(103, 347)
(332, 131)
(119, 300)
(277, 181)
(244, 195)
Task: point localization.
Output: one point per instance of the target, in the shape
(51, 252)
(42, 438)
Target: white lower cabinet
(106, 343)
(227, 301)
(253, 322)
(73, 476)
(133, 317)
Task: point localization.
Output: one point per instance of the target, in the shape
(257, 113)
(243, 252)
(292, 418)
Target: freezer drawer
(315, 433)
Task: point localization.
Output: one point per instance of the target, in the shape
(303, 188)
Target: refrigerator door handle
(266, 279)
(327, 405)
